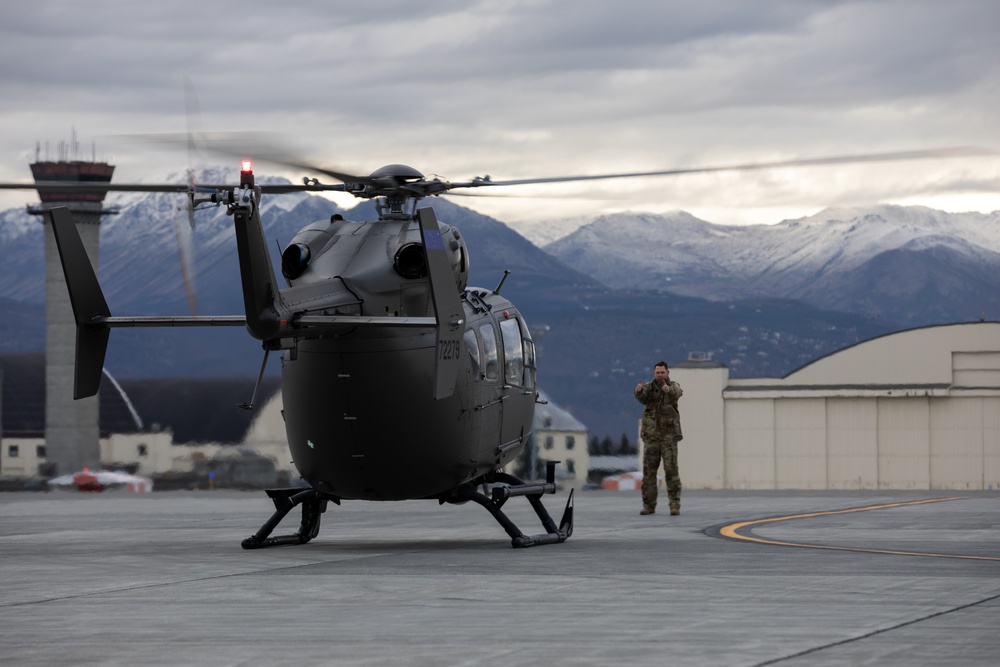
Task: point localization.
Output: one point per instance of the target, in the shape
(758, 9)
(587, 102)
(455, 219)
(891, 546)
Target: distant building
(163, 426)
(24, 451)
(147, 426)
(605, 465)
(556, 435)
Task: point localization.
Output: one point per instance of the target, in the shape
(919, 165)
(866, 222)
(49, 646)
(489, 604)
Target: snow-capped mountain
(139, 264)
(912, 264)
(145, 229)
(593, 341)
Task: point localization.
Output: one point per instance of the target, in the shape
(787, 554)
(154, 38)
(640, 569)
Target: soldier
(660, 433)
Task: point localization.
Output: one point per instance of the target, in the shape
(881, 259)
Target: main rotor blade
(182, 188)
(534, 195)
(422, 188)
(259, 146)
(960, 151)
(69, 186)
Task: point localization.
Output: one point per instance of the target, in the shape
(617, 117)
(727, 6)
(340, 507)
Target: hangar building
(916, 409)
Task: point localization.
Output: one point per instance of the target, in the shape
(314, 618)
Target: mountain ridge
(828, 260)
(593, 340)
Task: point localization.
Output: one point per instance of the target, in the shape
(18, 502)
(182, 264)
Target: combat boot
(674, 511)
(647, 510)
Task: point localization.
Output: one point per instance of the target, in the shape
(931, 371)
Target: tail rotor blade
(184, 225)
(184, 231)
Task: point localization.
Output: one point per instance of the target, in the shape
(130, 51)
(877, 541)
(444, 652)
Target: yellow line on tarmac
(732, 531)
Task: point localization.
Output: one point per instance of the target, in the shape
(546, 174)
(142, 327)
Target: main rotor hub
(391, 187)
(398, 172)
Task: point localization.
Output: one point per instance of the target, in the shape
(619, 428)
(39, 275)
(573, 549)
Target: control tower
(72, 435)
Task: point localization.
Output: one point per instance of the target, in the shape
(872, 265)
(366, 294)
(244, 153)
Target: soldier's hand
(638, 386)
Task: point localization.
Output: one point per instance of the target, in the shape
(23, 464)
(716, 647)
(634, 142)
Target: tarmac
(739, 578)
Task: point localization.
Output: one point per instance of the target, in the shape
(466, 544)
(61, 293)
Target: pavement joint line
(880, 631)
(743, 530)
(159, 584)
(126, 589)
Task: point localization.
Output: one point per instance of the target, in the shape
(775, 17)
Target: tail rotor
(184, 231)
(184, 218)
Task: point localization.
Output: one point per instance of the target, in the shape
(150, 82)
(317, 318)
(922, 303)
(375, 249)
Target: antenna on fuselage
(506, 273)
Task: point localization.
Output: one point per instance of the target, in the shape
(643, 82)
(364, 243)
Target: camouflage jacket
(661, 419)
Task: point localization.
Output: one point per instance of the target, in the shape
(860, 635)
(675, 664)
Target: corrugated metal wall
(861, 443)
(813, 431)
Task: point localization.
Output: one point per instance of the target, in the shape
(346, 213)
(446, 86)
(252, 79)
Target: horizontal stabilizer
(363, 320)
(175, 321)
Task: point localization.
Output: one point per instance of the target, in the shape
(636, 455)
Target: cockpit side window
(472, 345)
(529, 361)
(513, 351)
(490, 355)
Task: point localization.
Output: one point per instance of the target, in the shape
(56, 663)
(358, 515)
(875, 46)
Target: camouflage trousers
(653, 453)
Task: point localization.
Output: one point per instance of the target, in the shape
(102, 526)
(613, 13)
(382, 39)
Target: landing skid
(511, 486)
(285, 500)
(504, 486)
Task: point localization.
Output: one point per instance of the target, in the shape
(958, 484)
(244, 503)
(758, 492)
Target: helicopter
(399, 380)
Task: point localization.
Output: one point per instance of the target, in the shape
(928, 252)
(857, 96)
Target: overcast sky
(529, 88)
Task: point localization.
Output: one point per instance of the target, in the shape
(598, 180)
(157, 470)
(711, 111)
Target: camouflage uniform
(660, 433)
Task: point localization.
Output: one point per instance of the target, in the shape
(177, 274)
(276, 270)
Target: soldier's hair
(661, 363)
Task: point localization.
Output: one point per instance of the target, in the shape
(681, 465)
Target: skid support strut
(285, 500)
(509, 487)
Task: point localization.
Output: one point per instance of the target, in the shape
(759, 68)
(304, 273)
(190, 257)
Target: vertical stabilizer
(448, 309)
(89, 306)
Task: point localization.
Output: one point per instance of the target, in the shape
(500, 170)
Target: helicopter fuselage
(362, 422)
(360, 412)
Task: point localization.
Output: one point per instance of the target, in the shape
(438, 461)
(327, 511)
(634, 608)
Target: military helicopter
(399, 380)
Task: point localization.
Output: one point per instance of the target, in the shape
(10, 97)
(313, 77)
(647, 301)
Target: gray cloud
(529, 88)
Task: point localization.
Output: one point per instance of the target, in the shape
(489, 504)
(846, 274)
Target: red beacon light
(246, 174)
